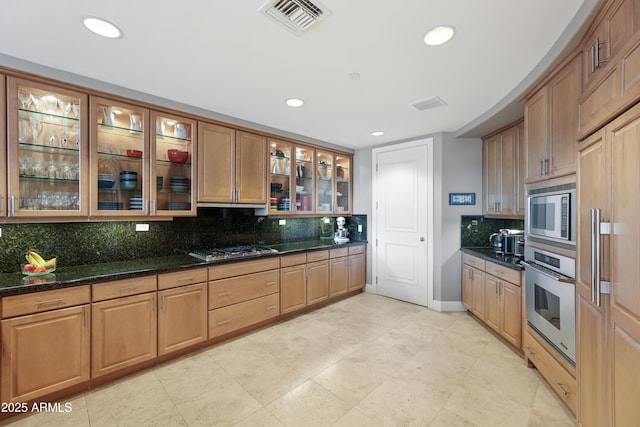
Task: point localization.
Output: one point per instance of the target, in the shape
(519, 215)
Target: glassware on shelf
(36, 128)
(107, 116)
(50, 104)
(76, 110)
(25, 98)
(65, 107)
(135, 121)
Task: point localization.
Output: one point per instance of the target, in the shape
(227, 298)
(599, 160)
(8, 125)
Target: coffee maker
(342, 234)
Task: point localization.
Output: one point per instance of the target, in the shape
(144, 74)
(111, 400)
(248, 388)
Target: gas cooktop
(216, 254)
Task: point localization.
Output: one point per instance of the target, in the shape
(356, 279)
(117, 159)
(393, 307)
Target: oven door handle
(555, 277)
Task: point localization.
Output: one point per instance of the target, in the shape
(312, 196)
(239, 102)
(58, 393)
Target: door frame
(429, 143)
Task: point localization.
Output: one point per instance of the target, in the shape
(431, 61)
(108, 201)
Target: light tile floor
(364, 361)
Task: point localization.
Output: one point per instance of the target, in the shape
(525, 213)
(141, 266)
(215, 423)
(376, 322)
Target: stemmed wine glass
(65, 106)
(25, 99)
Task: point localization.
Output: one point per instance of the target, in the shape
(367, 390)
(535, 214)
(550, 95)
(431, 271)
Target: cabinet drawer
(339, 252)
(243, 267)
(123, 288)
(237, 316)
(182, 278)
(354, 250)
(37, 302)
(295, 259)
(317, 256)
(504, 273)
(473, 261)
(558, 378)
(242, 288)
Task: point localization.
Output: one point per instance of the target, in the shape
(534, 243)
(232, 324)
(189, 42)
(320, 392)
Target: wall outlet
(282, 222)
(327, 220)
(142, 227)
(359, 228)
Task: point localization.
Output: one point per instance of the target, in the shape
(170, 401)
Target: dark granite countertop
(64, 277)
(490, 254)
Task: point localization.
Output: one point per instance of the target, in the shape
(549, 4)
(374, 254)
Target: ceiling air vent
(425, 104)
(296, 15)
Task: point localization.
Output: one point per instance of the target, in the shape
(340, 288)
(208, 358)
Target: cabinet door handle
(562, 389)
(541, 167)
(597, 60)
(593, 57)
(185, 279)
(127, 288)
(85, 317)
(224, 294)
(223, 322)
(270, 284)
(271, 307)
(162, 303)
(155, 304)
(526, 347)
(13, 204)
(546, 167)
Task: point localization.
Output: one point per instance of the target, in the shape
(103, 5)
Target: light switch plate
(282, 222)
(327, 220)
(142, 227)
(359, 228)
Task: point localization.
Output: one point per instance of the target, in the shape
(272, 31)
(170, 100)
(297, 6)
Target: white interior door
(402, 193)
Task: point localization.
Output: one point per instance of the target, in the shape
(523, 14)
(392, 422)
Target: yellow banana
(50, 263)
(35, 259)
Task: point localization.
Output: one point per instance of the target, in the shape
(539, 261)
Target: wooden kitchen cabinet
(232, 166)
(473, 284)
(357, 267)
(502, 174)
(123, 330)
(243, 294)
(119, 152)
(173, 181)
(608, 333)
(551, 122)
(338, 271)
(317, 281)
(3, 149)
(52, 326)
(47, 150)
(293, 282)
(611, 60)
(182, 310)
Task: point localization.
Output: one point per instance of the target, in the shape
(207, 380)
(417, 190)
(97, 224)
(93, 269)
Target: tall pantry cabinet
(608, 335)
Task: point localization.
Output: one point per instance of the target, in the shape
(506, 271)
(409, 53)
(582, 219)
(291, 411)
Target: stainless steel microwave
(551, 216)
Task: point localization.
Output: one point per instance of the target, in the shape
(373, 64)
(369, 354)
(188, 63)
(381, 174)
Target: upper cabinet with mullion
(47, 149)
(119, 159)
(173, 165)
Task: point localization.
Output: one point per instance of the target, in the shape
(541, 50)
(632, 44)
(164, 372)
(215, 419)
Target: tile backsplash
(97, 242)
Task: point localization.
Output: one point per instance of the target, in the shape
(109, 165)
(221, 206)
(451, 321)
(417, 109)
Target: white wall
(457, 169)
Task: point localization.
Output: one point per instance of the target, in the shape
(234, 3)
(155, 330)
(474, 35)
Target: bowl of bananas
(38, 266)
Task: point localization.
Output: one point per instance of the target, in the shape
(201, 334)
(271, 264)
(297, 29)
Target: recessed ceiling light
(439, 35)
(377, 133)
(354, 76)
(295, 102)
(101, 27)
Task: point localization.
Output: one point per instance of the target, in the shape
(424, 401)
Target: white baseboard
(448, 306)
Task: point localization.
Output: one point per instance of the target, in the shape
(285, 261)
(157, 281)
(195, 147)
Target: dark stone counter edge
(66, 277)
(510, 261)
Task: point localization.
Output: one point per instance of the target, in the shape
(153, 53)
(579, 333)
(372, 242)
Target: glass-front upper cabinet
(305, 179)
(47, 150)
(280, 171)
(172, 168)
(325, 181)
(3, 148)
(120, 159)
(343, 184)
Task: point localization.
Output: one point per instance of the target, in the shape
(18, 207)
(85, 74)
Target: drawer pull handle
(224, 322)
(185, 279)
(49, 301)
(127, 288)
(271, 307)
(224, 294)
(562, 390)
(529, 350)
(270, 283)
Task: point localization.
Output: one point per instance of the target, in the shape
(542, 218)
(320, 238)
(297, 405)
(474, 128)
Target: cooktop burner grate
(215, 254)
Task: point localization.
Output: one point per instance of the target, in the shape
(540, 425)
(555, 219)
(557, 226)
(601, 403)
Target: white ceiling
(227, 58)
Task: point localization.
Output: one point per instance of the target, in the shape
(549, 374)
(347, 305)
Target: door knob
(422, 239)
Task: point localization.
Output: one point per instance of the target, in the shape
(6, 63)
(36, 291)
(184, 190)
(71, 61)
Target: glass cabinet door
(3, 149)
(120, 159)
(47, 150)
(172, 166)
(305, 183)
(281, 198)
(325, 180)
(343, 184)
